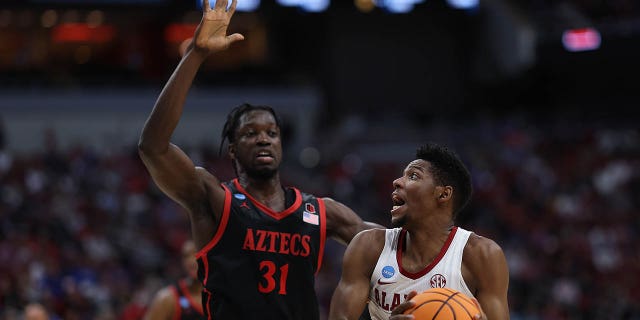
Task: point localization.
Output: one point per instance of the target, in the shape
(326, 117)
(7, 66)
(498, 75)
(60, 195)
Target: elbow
(146, 149)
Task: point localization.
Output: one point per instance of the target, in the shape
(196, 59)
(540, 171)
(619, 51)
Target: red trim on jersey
(221, 227)
(401, 248)
(267, 210)
(176, 294)
(205, 291)
(186, 293)
(323, 231)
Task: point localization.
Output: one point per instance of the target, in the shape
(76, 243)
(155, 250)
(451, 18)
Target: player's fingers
(407, 304)
(402, 317)
(221, 5)
(205, 6)
(232, 9)
(478, 316)
(235, 37)
(401, 308)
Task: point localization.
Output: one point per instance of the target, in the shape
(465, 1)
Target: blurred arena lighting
(95, 18)
(352, 163)
(49, 18)
(365, 5)
(179, 32)
(464, 4)
(82, 32)
(82, 54)
(5, 18)
(242, 5)
(309, 157)
(25, 19)
(398, 6)
(585, 39)
(306, 5)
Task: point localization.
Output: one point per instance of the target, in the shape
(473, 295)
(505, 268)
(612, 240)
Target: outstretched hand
(211, 34)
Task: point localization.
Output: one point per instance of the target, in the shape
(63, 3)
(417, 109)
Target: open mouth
(397, 202)
(264, 154)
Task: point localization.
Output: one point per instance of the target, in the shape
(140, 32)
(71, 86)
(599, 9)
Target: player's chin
(398, 221)
(263, 172)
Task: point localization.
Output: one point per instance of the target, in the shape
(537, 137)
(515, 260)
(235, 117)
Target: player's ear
(445, 193)
(231, 148)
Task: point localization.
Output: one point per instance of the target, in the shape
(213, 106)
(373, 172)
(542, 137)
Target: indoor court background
(548, 129)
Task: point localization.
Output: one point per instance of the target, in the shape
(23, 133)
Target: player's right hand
(211, 34)
(397, 312)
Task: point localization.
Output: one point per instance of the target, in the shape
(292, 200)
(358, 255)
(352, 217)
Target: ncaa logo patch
(388, 272)
(239, 196)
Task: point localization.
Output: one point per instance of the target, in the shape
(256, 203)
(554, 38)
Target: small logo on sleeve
(239, 196)
(309, 214)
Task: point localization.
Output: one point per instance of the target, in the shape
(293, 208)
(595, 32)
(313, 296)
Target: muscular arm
(163, 306)
(342, 223)
(171, 169)
(488, 268)
(350, 297)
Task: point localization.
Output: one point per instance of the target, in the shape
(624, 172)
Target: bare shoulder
(370, 238)
(334, 206)
(214, 192)
(162, 306)
(483, 262)
(166, 294)
(206, 176)
(482, 249)
(364, 250)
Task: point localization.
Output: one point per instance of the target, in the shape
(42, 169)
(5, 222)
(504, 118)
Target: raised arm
(350, 297)
(486, 262)
(343, 223)
(171, 169)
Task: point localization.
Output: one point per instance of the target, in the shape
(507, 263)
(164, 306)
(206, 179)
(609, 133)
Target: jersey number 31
(269, 271)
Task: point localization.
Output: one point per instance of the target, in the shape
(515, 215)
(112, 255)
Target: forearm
(168, 108)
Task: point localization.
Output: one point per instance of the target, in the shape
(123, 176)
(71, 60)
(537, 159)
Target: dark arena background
(540, 98)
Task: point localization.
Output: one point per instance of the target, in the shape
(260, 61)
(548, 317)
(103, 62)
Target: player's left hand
(481, 315)
(211, 34)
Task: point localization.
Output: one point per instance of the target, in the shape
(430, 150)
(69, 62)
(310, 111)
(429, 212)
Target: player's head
(35, 311)
(437, 178)
(255, 144)
(189, 262)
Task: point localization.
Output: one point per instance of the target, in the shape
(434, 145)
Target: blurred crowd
(87, 234)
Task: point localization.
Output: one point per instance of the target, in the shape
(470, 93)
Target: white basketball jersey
(390, 283)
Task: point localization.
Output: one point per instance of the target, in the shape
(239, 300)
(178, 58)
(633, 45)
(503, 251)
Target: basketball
(443, 304)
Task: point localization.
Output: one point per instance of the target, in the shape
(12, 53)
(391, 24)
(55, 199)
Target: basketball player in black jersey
(260, 243)
(182, 299)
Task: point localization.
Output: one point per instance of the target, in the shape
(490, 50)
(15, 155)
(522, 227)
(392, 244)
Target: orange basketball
(443, 304)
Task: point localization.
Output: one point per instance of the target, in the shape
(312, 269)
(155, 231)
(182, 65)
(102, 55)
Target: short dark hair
(448, 170)
(233, 119)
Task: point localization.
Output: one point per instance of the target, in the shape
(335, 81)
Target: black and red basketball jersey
(186, 308)
(261, 264)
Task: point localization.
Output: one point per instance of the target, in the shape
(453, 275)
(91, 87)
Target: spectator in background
(35, 311)
(183, 299)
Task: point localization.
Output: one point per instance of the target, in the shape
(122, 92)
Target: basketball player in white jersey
(385, 268)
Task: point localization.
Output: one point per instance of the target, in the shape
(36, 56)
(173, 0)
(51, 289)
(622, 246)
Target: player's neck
(427, 238)
(267, 191)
